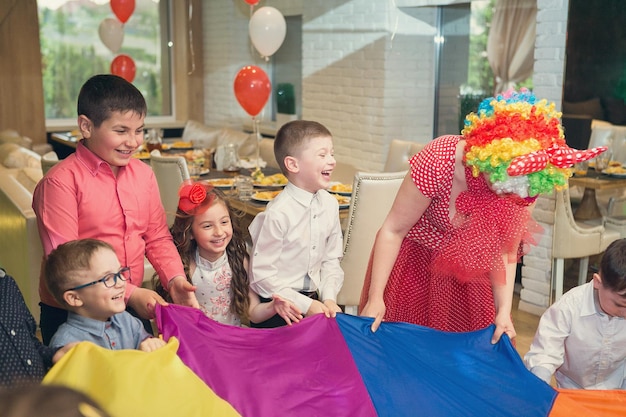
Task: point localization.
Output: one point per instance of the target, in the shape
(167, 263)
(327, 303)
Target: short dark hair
(613, 267)
(104, 94)
(293, 135)
(65, 260)
(48, 400)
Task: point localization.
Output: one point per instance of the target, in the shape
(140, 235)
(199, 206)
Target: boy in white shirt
(581, 338)
(297, 240)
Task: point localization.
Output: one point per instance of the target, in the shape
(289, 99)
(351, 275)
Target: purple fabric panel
(301, 370)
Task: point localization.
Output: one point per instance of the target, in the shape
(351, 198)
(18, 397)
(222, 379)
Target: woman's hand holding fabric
(504, 324)
(374, 308)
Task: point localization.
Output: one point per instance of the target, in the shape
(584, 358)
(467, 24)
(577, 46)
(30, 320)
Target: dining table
(588, 208)
(250, 208)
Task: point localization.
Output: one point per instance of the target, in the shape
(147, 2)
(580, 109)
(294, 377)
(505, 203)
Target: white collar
(207, 265)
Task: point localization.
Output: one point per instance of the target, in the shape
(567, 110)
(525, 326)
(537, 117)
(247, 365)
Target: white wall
(367, 71)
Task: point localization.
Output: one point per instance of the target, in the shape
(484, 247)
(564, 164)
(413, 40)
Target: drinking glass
(603, 160)
(580, 169)
(154, 139)
(244, 188)
(195, 168)
(231, 158)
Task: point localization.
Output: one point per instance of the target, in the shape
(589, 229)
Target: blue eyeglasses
(109, 280)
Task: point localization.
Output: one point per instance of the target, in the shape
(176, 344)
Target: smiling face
(97, 301)
(313, 164)
(116, 139)
(212, 231)
(611, 302)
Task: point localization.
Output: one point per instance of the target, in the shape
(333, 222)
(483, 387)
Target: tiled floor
(525, 326)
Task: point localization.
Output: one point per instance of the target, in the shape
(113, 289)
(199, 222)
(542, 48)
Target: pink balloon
(252, 89)
(123, 66)
(123, 9)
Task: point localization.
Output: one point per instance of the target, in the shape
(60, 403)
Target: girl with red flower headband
(446, 255)
(212, 248)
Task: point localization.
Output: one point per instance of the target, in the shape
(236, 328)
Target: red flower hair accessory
(194, 197)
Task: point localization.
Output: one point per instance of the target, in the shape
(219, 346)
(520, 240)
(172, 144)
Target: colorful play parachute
(322, 367)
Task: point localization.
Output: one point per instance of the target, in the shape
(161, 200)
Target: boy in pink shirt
(102, 192)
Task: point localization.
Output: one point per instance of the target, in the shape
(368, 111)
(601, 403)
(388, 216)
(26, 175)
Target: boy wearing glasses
(85, 277)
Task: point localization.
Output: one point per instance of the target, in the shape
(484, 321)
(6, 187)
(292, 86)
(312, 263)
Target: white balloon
(267, 30)
(111, 33)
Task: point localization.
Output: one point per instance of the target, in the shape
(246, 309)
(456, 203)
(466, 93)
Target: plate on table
(265, 196)
(221, 182)
(615, 171)
(271, 181)
(204, 172)
(344, 202)
(181, 146)
(341, 189)
(142, 154)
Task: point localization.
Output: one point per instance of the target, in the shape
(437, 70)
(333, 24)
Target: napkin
(251, 163)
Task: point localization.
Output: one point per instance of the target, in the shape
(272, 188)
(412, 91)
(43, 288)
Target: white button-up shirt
(579, 343)
(297, 246)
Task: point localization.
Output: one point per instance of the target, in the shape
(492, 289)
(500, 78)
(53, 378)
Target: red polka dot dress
(441, 276)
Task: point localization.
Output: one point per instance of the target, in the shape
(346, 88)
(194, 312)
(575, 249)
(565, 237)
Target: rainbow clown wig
(518, 143)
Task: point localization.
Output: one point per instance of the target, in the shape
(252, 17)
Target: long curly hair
(236, 251)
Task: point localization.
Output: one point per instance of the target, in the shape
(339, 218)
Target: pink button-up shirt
(82, 198)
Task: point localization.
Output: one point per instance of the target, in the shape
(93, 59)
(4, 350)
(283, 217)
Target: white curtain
(511, 43)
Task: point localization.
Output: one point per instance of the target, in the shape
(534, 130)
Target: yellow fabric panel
(130, 383)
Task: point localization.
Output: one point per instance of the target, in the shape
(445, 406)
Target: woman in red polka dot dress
(446, 255)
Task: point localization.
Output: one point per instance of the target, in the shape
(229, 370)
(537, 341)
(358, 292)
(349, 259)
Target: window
(73, 50)
(464, 76)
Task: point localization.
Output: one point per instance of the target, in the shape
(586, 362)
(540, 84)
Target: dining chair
(616, 215)
(575, 239)
(48, 160)
(400, 151)
(266, 152)
(372, 197)
(170, 172)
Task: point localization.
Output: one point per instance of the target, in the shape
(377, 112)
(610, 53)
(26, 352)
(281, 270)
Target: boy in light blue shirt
(85, 277)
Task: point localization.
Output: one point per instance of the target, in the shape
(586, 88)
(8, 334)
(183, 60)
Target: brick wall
(367, 68)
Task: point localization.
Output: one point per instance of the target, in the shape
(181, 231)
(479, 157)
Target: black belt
(310, 294)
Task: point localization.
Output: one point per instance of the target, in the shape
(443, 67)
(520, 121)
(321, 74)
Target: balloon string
(257, 134)
(191, 48)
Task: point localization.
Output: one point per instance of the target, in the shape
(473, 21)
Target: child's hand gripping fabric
(151, 344)
(287, 310)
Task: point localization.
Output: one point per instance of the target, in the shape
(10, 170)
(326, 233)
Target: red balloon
(123, 66)
(252, 89)
(123, 9)
(252, 2)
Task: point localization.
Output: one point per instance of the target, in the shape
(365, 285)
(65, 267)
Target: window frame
(183, 20)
